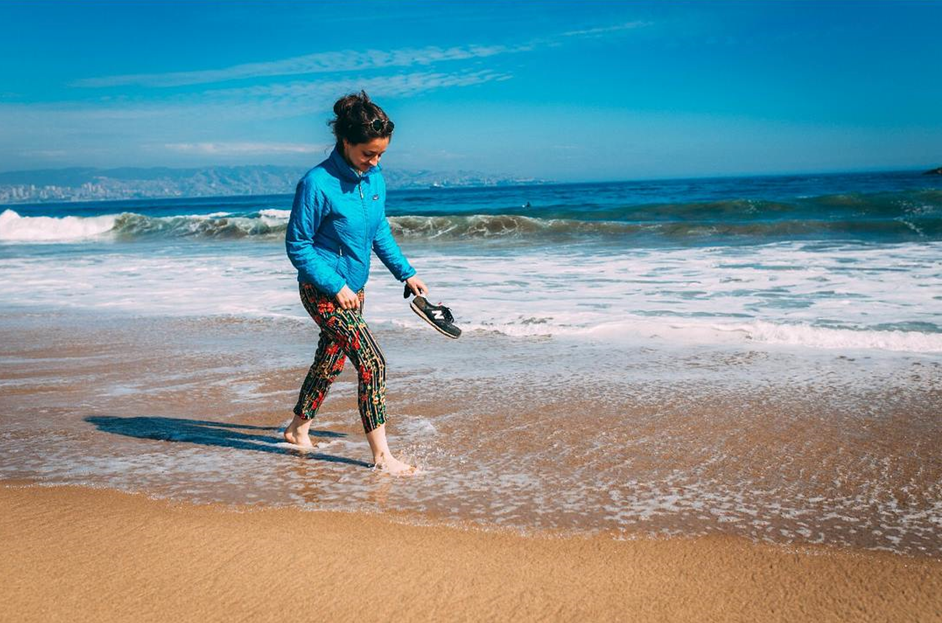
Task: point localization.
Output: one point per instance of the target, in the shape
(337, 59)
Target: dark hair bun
(358, 120)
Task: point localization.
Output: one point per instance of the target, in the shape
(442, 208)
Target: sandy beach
(567, 472)
(77, 554)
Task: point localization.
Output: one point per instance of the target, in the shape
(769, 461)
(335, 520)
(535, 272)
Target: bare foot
(392, 465)
(298, 436)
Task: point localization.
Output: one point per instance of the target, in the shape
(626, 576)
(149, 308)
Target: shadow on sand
(209, 433)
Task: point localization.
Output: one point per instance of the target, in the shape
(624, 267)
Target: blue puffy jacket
(338, 215)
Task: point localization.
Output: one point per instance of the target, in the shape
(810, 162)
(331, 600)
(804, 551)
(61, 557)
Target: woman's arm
(387, 250)
(307, 211)
(389, 253)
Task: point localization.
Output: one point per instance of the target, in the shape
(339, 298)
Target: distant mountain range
(90, 184)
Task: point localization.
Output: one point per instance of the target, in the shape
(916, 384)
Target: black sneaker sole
(422, 315)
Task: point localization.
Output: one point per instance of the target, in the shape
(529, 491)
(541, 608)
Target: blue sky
(568, 91)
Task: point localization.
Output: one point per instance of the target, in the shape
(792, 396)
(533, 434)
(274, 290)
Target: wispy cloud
(213, 107)
(322, 62)
(302, 97)
(606, 30)
(244, 149)
(216, 117)
(46, 153)
(207, 124)
(346, 61)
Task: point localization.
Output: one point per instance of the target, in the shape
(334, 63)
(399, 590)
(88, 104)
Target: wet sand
(543, 493)
(77, 554)
(827, 448)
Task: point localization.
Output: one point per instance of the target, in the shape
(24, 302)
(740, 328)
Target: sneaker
(438, 316)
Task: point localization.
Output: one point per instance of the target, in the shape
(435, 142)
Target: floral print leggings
(343, 334)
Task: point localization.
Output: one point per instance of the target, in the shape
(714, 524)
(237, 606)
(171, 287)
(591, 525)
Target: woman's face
(365, 155)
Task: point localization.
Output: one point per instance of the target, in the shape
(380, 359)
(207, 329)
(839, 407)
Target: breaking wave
(879, 217)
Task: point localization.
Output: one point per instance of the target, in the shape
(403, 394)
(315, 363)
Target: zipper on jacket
(366, 214)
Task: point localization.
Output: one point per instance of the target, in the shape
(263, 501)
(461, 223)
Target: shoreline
(113, 556)
(189, 409)
(414, 519)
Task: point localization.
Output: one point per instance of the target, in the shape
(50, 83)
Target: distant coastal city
(91, 184)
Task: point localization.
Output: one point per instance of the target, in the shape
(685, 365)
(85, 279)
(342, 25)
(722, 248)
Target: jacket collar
(346, 171)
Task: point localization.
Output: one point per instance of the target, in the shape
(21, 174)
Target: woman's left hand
(417, 286)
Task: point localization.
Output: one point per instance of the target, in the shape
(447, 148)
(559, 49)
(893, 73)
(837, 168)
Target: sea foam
(16, 228)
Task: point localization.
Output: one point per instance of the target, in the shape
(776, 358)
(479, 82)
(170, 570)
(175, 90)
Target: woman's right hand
(347, 298)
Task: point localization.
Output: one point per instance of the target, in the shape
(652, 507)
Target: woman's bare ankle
(297, 432)
(388, 463)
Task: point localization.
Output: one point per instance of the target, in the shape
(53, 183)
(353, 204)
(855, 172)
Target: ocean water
(821, 261)
(753, 356)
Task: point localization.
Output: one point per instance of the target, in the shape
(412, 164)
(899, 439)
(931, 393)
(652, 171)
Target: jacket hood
(345, 170)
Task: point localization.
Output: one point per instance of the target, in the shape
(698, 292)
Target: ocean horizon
(404, 180)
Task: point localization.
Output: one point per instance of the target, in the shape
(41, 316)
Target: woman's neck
(343, 154)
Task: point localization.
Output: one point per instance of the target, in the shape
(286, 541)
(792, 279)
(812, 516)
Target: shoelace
(447, 312)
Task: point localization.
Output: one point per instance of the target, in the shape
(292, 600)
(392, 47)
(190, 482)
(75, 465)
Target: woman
(338, 216)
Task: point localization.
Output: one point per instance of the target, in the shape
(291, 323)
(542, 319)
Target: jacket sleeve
(388, 252)
(307, 212)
